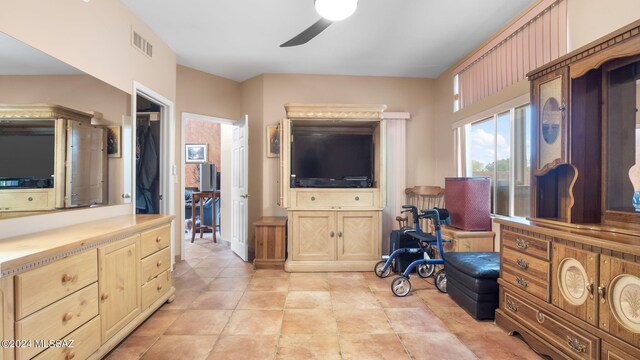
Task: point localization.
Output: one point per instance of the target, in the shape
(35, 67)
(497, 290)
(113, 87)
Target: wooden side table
(271, 242)
(467, 241)
(202, 197)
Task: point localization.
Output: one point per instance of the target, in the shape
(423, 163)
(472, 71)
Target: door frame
(183, 119)
(167, 169)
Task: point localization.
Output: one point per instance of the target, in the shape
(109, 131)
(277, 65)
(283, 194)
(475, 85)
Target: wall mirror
(29, 76)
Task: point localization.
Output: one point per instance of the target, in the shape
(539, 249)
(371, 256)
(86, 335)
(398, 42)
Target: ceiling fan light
(336, 10)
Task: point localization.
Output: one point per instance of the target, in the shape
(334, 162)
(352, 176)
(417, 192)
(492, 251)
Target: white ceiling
(18, 58)
(239, 39)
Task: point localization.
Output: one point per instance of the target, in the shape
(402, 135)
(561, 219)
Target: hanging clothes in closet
(146, 170)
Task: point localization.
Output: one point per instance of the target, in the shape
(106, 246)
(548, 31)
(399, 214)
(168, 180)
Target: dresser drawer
(38, 288)
(527, 244)
(334, 199)
(526, 264)
(27, 199)
(152, 290)
(536, 287)
(154, 240)
(84, 342)
(58, 319)
(575, 342)
(156, 263)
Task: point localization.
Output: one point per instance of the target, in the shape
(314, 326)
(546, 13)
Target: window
(499, 147)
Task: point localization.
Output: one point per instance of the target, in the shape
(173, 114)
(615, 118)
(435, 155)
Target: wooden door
(119, 284)
(313, 235)
(619, 296)
(574, 281)
(358, 235)
(284, 171)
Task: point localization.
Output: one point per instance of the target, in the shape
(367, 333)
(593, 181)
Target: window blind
(536, 38)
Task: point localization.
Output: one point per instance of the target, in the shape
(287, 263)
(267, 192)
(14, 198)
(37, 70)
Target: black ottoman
(472, 282)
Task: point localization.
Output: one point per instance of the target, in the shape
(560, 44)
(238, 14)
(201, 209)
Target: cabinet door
(284, 170)
(619, 293)
(313, 235)
(358, 235)
(119, 283)
(574, 281)
(550, 94)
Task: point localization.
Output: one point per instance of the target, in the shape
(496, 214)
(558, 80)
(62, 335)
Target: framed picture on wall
(273, 141)
(196, 153)
(113, 141)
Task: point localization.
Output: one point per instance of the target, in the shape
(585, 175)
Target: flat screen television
(27, 152)
(332, 160)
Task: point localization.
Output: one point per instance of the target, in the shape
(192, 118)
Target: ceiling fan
(331, 11)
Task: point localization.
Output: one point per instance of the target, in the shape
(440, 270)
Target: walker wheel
(441, 281)
(378, 269)
(401, 286)
(426, 270)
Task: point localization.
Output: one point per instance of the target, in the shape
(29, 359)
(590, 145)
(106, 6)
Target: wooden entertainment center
(333, 228)
(570, 275)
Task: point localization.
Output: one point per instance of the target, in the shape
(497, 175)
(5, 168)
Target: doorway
(156, 113)
(205, 149)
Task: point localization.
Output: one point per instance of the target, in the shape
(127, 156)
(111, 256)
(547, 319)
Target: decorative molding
(41, 111)
(334, 111)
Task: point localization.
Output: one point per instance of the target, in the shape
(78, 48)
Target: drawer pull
(332, 234)
(158, 239)
(70, 355)
(575, 345)
(357, 198)
(104, 296)
(339, 233)
(313, 198)
(159, 287)
(522, 244)
(602, 292)
(30, 198)
(67, 316)
(589, 288)
(521, 282)
(511, 305)
(522, 264)
(66, 278)
(159, 263)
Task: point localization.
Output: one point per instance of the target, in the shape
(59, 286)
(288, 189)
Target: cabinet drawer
(527, 244)
(536, 287)
(610, 352)
(574, 342)
(152, 290)
(86, 340)
(526, 264)
(58, 319)
(334, 199)
(38, 288)
(156, 263)
(154, 240)
(27, 199)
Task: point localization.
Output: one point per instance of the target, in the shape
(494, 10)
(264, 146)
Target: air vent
(141, 44)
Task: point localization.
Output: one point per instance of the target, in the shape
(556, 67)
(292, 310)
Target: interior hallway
(225, 310)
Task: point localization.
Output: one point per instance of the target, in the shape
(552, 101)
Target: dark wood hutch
(570, 275)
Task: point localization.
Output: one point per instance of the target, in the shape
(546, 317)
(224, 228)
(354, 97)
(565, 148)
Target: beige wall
(205, 94)
(202, 132)
(589, 20)
(94, 37)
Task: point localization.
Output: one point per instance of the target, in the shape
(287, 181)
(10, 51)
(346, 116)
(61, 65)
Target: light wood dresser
(76, 292)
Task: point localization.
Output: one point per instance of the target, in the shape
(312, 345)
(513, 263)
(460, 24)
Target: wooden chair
(423, 197)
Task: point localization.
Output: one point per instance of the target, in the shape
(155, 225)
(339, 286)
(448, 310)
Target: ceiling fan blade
(311, 32)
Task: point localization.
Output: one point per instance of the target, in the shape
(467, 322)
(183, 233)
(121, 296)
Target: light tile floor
(224, 309)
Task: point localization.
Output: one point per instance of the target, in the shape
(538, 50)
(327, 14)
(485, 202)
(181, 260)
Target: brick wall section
(202, 132)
